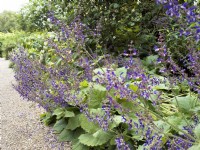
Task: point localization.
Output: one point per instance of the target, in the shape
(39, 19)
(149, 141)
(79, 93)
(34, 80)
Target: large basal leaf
(98, 138)
(96, 95)
(121, 72)
(197, 131)
(163, 126)
(185, 103)
(195, 147)
(73, 123)
(79, 146)
(47, 118)
(66, 135)
(60, 125)
(69, 135)
(59, 112)
(98, 87)
(174, 120)
(69, 114)
(161, 87)
(133, 87)
(87, 125)
(116, 121)
(177, 121)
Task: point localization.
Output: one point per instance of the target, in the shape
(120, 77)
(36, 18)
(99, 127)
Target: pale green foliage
(9, 21)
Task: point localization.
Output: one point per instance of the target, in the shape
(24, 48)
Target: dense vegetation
(112, 74)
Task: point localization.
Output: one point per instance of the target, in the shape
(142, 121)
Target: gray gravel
(20, 126)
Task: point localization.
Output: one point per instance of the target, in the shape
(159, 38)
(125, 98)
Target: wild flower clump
(126, 105)
(187, 29)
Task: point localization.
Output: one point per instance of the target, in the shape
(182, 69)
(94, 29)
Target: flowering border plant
(98, 105)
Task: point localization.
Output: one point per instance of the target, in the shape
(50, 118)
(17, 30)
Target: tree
(9, 21)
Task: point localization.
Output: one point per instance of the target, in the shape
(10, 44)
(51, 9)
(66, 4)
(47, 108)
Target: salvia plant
(100, 102)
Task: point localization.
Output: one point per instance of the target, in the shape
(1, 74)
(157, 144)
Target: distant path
(20, 127)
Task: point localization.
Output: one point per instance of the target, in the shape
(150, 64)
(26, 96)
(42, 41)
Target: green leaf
(73, 123)
(60, 125)
(98, 138)
(116, 121)
(175, 120)
(47, 118)
(112, 140)
(162, 125)
(84, 84)
(141, 147)
(59, 112)
(79, 146)
(133, 87)
(185, 103)
(69, 135)
(98, 87)
(197, 131)
(65, 135)
(121, 72)
(69, 114)
(87, 125)
(195, 147)
(95, 97)
(161, 87)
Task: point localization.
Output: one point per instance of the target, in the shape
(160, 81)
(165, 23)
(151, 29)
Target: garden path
(20, 126)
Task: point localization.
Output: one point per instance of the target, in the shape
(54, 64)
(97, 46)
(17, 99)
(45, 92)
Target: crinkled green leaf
(59, 112)
(133, 87)
(195, 147)
(69, 114)
(79, 146)
(177, 121)
(185, 103)
(73, 123)
(60, 125)
(116, 121)
(161, 87)
(174, 120)
(65, 135)
(87, 125)
(98, 138)
(163, 126)
(98, 87)
(69, 135)
(141, 147)
(95, 98)
(197, 131)
(47, 118)
(121, 72)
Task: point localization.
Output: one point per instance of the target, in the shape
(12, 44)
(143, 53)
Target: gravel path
(20, 126)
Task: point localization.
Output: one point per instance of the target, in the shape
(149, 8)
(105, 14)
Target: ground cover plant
(99, 102)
